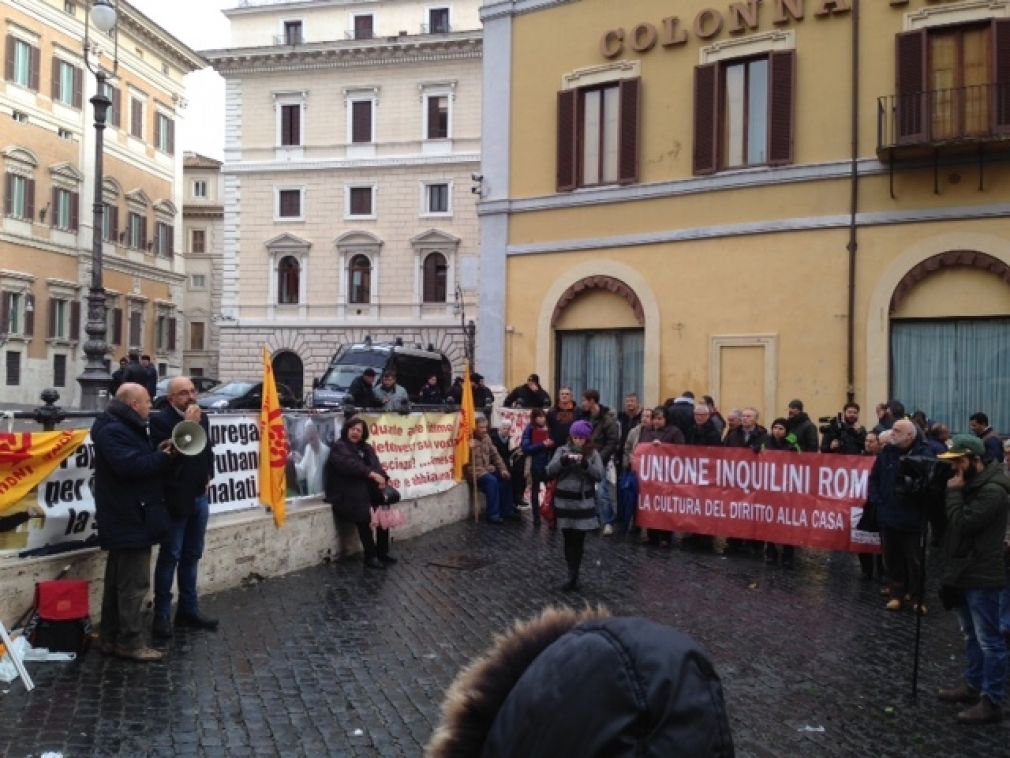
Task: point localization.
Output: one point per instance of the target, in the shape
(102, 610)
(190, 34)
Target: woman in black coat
(353, 482)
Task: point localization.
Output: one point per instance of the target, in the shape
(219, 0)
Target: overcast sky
(200, 25)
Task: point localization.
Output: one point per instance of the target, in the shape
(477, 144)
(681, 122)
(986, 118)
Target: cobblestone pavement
(337, 661)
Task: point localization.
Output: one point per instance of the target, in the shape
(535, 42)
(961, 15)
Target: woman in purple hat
(577, 468)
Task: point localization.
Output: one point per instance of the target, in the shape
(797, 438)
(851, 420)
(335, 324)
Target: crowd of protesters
(588, 449)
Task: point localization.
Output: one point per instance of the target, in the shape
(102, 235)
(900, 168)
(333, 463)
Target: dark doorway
(289, 371)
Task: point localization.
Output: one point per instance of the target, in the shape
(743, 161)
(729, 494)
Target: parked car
(202, 384)
(413, 366)
(244, 395)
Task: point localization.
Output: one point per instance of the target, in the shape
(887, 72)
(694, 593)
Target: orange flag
(467, 421)
(273, 446)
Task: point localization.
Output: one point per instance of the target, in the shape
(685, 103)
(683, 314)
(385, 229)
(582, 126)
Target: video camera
(831, 424)
(923, 475)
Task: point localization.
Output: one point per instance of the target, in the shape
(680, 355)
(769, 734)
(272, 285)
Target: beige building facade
(47, 146)
(352, 139)
(202, 228)
(758, 200)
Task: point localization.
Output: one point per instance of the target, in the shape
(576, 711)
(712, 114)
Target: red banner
(805, 499)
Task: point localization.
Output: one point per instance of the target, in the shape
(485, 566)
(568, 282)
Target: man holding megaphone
(182, 423)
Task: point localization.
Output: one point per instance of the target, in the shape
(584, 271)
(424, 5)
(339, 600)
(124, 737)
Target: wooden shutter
(117, 326)
(35, 69)
(54, 217)
(910, 99)
(78, 87)
(568, 141)
(75, 212)
(5, 312)
(117, 105)
(171, 335)
(113, 212)
(75, 320)
(781, 106)
(30, 200)
(143, 232)
(1001, 75)
(10, 55)
(136, 118)
(29, 315)
(56, 78)
(52, 317)
(630, 124)
(706, 119)
(9, 194)
(171, 241)
(361, 121)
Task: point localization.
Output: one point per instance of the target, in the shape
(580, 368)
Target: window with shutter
(59, 370)
(359, 280)
(75, 320)
(52, 327)
(435, 273)
(29, 315)
(360, 201)
(1001, 75)
(136, 118)
(75, 211)
(910, 49)
(289, 203)
(438, 116)
(117, 326)
(196, 330)
(291, 124)
(361, 121)
(5, 313)
(36, 68)
(631, 95)
(568, 143)
(288, 284)
(13, 368)
(136, 328)
(172, 326)
(363, 27)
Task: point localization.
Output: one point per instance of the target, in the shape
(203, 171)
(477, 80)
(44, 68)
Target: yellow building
(47, 149)
(759, 200)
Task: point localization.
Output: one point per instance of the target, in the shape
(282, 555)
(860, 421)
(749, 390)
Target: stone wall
(239, 546)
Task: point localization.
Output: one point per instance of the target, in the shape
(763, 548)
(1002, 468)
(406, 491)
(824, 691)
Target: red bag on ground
(62, 620)
(547, 505)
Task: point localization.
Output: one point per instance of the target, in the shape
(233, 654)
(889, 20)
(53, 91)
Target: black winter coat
(136, 374)
(189, 475)
(362, 395)
(345, 480)
(129, 481)
(527, 398)
(895, 508)
(805, 432)
(680, 415)
(706, 435)
(738, 438)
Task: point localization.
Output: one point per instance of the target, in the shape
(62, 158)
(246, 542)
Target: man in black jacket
(846, 436)
(151, 374)
(703, 431)
(529, 395)
(978, 423)
(186, 499)
(131, 516)
(362, 390)
(801, 427)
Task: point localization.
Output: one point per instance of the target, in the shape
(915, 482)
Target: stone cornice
(494, 9)
(140, 26)
(251, 167)
(344, 54)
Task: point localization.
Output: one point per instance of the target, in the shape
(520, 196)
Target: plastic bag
(388, 518)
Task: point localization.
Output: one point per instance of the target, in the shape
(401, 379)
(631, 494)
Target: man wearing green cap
(977, 500)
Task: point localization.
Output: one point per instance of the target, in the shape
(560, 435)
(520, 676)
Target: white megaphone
(189, 438)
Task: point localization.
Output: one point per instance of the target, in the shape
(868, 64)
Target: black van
(413, 366)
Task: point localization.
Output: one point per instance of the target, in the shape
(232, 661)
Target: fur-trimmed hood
(583, 683)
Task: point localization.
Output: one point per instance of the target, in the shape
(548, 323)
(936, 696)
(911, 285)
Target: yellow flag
(26, 459)
(467, 422)
(273, 446)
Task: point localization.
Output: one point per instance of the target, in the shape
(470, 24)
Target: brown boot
(142, 654)
(960, 694)
(985, 711)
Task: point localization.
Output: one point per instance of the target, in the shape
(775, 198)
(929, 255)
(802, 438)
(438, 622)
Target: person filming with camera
(843, 433)
(901, 515)
(974, 575)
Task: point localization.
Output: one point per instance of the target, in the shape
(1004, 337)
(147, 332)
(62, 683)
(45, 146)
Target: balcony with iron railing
(971, 119)
(438, 28)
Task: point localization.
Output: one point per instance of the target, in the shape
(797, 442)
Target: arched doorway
(600, 340)
(288, 370)
(950, 339)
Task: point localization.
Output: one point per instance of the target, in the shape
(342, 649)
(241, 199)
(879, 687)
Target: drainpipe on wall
(853, 246)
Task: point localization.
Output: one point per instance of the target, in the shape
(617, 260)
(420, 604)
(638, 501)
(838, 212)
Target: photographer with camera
(843, 433)
(901, 513)
(974, 575)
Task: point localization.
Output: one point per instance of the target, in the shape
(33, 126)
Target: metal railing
(289, 39)
(977, 113)
(436, 29)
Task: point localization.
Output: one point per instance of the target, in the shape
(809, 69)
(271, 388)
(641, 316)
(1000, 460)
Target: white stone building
(203, 224)
(352, 138)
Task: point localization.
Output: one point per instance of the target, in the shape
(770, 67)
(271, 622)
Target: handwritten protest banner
(416, 450)
(810, 500)
(520, 419)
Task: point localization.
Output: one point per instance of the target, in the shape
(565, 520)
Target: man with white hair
(901, 515)
(514, 459)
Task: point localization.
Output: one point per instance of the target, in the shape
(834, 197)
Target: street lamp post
(95, 378)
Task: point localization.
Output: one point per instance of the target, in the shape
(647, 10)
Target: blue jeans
(627, 494)
(182, 549)
(604, 501)
(498, 492)
(984, 645)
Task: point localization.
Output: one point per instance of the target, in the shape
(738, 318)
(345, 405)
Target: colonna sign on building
(710, 23)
